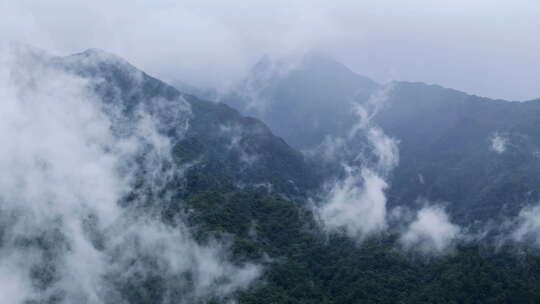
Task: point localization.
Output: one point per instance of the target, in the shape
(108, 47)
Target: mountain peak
(100, 56)
(315, 61)
(95, 58)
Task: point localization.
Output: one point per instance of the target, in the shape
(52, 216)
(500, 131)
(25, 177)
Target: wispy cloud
(179, 39)
(69, 162)
(431, 231)
(357, 203)
(526, 226)
(498, 143)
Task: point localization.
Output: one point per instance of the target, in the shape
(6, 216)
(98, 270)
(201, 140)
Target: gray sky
(486, 47)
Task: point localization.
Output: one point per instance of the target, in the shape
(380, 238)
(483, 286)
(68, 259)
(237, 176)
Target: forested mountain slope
(223, 148)
(173, 199)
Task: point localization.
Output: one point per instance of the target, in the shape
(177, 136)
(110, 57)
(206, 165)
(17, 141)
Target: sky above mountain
(484, 47)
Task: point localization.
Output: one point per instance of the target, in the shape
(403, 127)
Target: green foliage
(305, 265)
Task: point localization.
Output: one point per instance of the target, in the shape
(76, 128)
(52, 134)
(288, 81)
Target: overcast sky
(486, 47)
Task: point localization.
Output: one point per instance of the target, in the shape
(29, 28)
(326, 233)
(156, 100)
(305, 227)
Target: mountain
(478, 154)
(303, 99)
(445, 137)
(432, 125)
(123, 189)
(224, 148)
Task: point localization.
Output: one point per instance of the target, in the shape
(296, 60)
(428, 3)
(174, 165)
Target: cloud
(185, 270)
(385, 148)
(431, 231)
(212, 43)
(357, 203)
(498, 143)
(70, 161)
(527, 226)
(520, 231)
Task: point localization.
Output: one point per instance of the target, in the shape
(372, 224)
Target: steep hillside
(223, 148)
(480, 155)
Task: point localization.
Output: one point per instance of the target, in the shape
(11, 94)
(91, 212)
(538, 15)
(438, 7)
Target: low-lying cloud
(357, 203)
(498, 143)
(431, 231)
(527, 226)
(69, 162)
